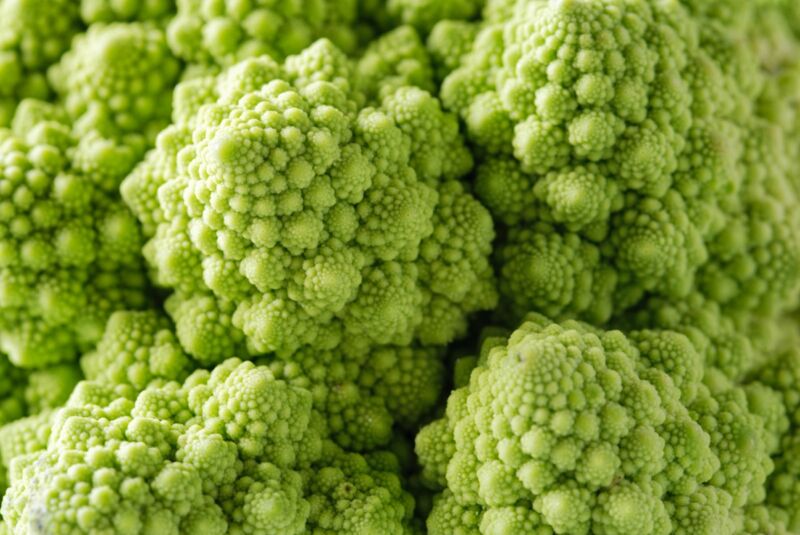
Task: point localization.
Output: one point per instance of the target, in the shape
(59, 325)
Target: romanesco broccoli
(245, 243)
(355, 233)
(577, 430)
(69, 248)
(619, 142)
(231, 451)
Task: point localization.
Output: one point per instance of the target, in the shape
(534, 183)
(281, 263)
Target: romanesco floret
(33, 35)
(318, 221)
(448, 43)
(763, 520)
(118, 78)
(224, 33)
(234, 450)
(587, 431)
(738, 438)
(171, 459)
(204, 327)
(620, 142)
(450, 516)
(705, 512)
(140, 189)
(715, 335)
(69, 248)
(396, 59)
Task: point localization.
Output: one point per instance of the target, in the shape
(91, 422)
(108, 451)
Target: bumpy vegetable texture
(118, 78)
(234, 450)
(223, 33)
(36, 34)
(291, 182)
(640, 156)
(621, 144)
(26, 402)
(69, 248)
(569, 428)
(360, 399)
(33, 35)
(781, 375)
(309, 218)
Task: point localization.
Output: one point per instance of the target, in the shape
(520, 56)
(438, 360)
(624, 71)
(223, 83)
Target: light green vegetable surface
(399, 267)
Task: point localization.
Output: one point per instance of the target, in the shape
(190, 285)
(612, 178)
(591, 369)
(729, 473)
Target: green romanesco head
(577, 430)
(316, 219)
(69, 248)
(624, 146)
(230, 451)
(218, 453)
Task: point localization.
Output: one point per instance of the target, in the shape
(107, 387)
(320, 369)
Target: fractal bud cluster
(399, 267)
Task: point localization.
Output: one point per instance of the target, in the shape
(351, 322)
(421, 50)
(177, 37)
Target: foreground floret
(577, 430)
(313, 219)
(230, 451)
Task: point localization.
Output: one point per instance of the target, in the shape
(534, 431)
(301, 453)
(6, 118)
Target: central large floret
(309, 215)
